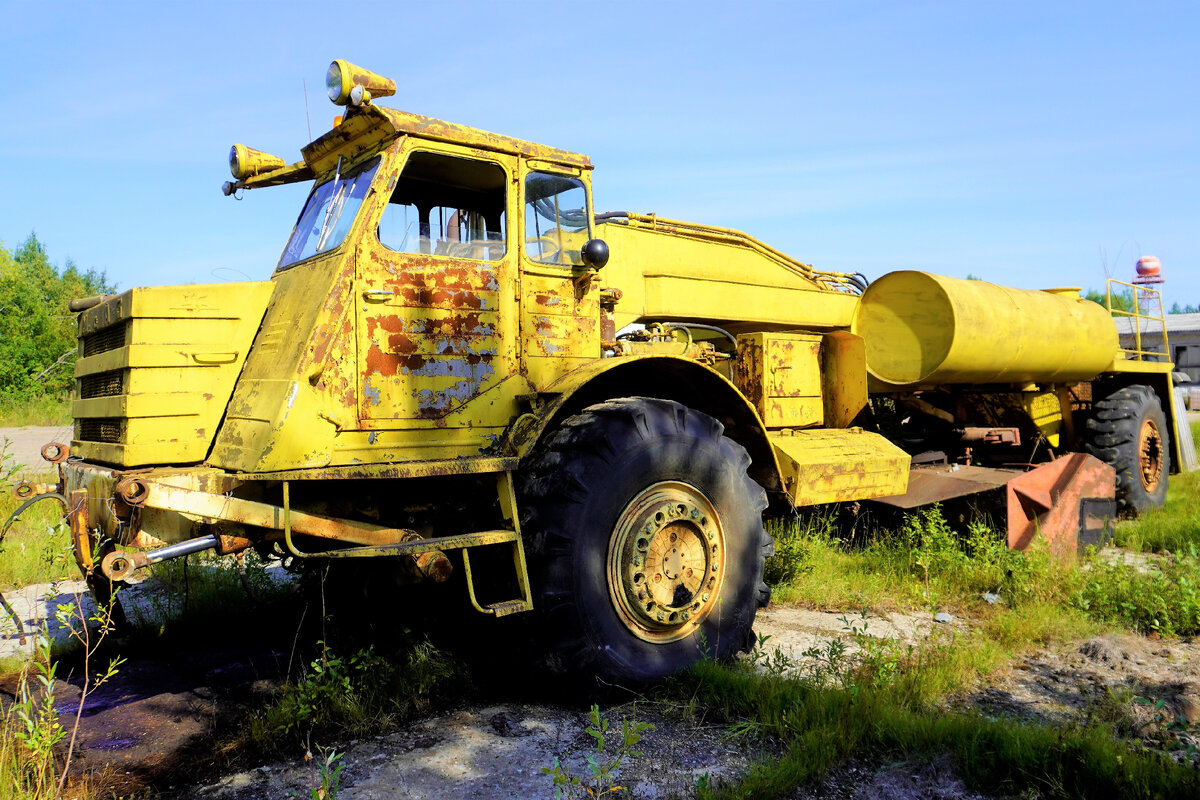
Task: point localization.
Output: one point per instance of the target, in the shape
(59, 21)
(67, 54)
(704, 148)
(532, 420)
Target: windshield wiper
(335, 202)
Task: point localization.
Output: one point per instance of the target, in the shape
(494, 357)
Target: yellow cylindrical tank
(923, 329)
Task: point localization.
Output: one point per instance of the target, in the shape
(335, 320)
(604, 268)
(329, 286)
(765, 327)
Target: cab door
(435, 288)
(560, 311)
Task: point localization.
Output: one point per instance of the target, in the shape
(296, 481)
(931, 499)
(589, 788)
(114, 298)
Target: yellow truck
(447, 370)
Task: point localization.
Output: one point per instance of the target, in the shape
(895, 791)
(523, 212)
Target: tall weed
(354, 694)
(1163, 596)
(925, 562)
(36, 745)
(31, 730)
(796, 541)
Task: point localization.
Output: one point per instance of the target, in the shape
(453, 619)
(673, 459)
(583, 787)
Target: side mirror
(595, 253)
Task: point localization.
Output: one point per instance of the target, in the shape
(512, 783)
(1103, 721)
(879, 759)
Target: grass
(819, 726)
(348, 696)
(884, 700)
(46, 410)
(923, 565)
(36, 548)
(1161, 596)
(188, 592)
(191, 611)
(1170, 528)
(22, 775)
(1174, 526)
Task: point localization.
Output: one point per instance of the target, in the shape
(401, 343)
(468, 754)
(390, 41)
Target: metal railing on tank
(1145, 309)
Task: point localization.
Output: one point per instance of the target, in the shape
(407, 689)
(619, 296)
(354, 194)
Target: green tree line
(37, 331)
(1123, 301)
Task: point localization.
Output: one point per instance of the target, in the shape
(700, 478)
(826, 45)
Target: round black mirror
(595, 253)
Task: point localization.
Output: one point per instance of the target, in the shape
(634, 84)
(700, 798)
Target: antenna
(307, 121)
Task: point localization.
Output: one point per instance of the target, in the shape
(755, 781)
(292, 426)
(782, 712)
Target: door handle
(378, 295)
(214, 358)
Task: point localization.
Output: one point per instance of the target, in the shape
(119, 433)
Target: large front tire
(1128, 431)
(645, 539)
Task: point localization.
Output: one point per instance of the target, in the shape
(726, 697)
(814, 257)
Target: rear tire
(1128, 431)
(645, 539)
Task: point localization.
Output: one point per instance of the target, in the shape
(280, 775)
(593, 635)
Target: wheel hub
(666, 561)
(1150, 455)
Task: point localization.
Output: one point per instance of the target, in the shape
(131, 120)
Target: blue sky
(1031, 144)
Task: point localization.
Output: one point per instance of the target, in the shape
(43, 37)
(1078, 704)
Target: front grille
(110, 430)
(104, 340)
(105, 384)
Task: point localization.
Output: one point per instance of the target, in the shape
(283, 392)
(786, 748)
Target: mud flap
(1057, 500)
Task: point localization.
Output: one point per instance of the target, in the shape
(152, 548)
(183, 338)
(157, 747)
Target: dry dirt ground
(158, 710)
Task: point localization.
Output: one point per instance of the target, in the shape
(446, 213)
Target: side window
(446, 206)
(556, 219)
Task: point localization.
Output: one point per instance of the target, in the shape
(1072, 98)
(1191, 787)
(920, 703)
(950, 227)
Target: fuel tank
(922, 329)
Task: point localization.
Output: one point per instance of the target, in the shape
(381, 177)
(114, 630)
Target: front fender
(665, 377)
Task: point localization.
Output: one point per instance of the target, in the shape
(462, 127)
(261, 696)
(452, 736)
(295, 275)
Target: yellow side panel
(683, 297)
(157, 366)
(666, 277)
(793, 412)
(843, 377)
(1121, 364)
(831, 466)
(1045, 409)
(296, 388)
(780, 373)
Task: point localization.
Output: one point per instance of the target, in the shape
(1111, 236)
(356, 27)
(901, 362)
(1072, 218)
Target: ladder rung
(507, 607)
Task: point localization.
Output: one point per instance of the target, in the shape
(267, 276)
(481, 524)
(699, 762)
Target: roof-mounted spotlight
(245, 162)
(351, 85)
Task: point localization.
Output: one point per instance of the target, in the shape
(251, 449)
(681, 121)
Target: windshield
(328, 214)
